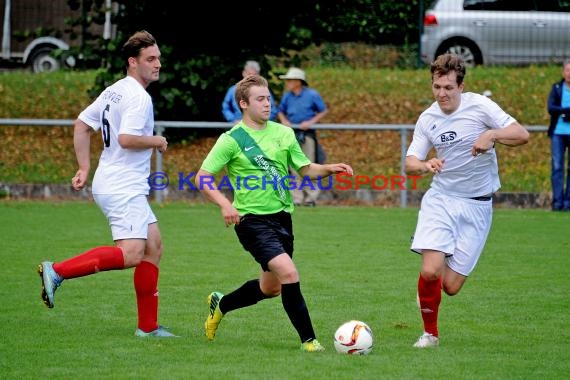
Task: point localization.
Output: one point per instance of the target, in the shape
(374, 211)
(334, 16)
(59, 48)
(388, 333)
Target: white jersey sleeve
(123, 108)
(421, 144)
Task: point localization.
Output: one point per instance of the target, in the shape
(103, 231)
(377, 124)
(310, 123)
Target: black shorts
(266, 236)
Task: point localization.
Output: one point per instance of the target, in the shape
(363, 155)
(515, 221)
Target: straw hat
(295, 73)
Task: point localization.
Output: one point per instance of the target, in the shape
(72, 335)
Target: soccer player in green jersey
(257, 153)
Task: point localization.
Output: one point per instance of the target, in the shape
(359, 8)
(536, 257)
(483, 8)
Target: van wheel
(466, 49)
(41, 61)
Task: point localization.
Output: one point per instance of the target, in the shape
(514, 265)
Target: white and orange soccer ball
(354, 338)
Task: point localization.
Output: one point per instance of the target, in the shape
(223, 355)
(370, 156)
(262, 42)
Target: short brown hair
(138, 41)
(446, 63)
(244, 85)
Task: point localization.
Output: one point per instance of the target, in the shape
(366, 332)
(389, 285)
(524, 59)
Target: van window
(553, 6)
(499, 5)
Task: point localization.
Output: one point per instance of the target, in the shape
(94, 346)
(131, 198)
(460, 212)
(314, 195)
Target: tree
(204, 48)
(374, 22)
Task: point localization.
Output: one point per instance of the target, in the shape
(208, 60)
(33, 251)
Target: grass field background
(511, 320)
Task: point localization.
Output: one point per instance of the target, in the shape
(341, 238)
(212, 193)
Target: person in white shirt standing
(456, 212)
(124, 114)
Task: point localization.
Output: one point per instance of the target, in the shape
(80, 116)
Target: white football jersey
(453, 136)
(125, 107)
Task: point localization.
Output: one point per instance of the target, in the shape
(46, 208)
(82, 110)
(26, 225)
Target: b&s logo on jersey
(446, 139)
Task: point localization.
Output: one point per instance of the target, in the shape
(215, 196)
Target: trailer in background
(33, 30)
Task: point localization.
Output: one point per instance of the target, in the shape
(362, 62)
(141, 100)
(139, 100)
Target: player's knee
(153, 251)
(451, 290)
(289, 276)
(156, 251)
(133, 257)
(430, 275)
(272, 292)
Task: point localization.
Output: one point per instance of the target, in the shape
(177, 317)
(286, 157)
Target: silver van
(497, 31)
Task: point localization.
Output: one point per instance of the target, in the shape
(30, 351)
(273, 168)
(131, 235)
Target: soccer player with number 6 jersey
(123, 113)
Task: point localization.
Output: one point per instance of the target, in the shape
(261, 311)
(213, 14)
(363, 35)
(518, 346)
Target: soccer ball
(353, 338)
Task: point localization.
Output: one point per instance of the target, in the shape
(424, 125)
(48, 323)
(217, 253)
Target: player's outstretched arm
(416, 166)
(513, 135)
(314, 170)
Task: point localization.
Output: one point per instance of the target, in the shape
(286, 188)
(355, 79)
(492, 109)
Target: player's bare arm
(204, 181)
(81, 143)
(416, 166)
(143, 142)
(315, 171)
(513, 135)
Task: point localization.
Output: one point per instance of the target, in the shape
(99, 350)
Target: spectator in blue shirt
(300, 108)
(559, 133)
(230, 108)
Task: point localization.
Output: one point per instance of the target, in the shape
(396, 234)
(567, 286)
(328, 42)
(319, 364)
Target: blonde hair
(243, 87)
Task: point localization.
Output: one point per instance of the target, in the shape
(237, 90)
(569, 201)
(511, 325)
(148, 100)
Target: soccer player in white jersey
(124, 115)
(456, 212)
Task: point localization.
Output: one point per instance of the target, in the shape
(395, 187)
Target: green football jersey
(257, 171)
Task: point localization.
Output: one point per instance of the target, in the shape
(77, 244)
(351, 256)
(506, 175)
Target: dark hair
(446, 63)
(138, 41)
(244, 85)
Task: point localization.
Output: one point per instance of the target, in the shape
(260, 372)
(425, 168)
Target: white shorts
(128, 214)
(455, 226)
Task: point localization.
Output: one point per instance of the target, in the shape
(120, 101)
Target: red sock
(95, 260)
(146, 289)
(430, 298)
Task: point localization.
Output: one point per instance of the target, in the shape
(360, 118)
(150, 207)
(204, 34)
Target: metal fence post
(403, 149)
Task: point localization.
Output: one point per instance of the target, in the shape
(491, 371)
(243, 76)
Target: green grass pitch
(511, 320)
